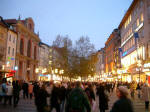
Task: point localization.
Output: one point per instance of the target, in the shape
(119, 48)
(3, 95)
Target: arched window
(29, 48)
(21, 46)
(34, 52)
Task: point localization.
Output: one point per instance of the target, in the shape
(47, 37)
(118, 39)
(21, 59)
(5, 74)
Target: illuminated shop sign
(10, 58)
(128, 51)
(146, 65)
(125, 53)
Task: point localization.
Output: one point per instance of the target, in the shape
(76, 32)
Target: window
(137, 22)
(1, 35)
(149, 11)
(35, 52)
(141, 4)
(21, 46)
(14, 40)
(8, 50)
(13, 52)
(10, 38)
(29, 48)
(142, 18)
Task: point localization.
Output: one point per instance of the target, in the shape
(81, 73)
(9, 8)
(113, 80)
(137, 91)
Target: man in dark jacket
(16, 92)
(78, 101)
(25, 90)
(41, 99)
(103, 98)
(55, 98)
(123, 104)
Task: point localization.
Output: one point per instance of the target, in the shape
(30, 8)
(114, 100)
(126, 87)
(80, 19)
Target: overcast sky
(75, 18)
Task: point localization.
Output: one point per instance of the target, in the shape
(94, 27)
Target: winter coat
(145, 93)
(25, 87)
(85, 102)
(41, 99)
(30, 89)
(103, 98)
(9, 90)
(122, 105)
(55, 96)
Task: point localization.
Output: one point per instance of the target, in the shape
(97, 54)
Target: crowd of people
(74, 96)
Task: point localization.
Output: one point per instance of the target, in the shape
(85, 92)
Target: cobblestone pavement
(27, 105)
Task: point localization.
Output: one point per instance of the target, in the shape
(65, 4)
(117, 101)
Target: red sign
(9, 75)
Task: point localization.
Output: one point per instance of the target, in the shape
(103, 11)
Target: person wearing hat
(123, 104)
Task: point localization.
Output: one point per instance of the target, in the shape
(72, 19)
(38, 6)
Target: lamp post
(139, 64)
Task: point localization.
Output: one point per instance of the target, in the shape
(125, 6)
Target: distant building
(3, 43)
(56, 62)
(100, 65)
(27, 48)
(111, 46)
(44, 51)
(11, 52)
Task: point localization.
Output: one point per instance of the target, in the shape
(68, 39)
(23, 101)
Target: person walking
(41, 99)
(103, 98)
(77, 100)
(138, 90)
(133, 87)
(4, 90)
(123, 104)
(55, 98)
(25, 87)
(146, 95)
(16, 92)
(30, 89)
(90, 93)
(62, 97)
(9, 93)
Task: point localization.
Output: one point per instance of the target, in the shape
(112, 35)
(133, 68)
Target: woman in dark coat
(55, 98)
(123, 104)
(103, 98)
(41, 99)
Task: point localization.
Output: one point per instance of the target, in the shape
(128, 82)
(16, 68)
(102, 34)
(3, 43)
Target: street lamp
(139, 64)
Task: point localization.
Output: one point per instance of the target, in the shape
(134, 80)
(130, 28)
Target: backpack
(76, 100)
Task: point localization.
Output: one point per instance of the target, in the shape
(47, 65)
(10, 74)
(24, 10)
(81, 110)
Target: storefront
(9, 75)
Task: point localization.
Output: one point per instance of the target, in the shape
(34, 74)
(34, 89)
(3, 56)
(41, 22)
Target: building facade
(135, 40)
(3, 43)
(11, 49)
(112, 55)
(27, 54)
(100, 65)
(43, 69)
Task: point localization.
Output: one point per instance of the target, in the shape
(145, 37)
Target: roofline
(127, 13)
(2, 20)
(41, 43)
